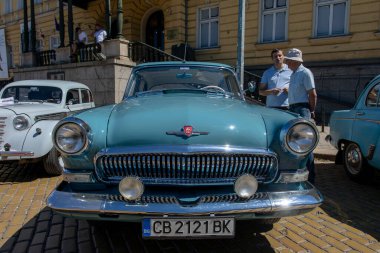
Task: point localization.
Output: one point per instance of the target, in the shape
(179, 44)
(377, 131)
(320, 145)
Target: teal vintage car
(185, 155)
(356, 134)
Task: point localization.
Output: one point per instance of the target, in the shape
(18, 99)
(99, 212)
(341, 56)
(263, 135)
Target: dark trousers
(303, 110)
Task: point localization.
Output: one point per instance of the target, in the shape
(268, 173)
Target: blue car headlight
(70, 136)
(299, 137)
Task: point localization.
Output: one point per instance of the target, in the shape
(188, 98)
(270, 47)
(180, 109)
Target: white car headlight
(131, 188)
(245, 186)
(20, 123)
(299, 137)
(70, 136)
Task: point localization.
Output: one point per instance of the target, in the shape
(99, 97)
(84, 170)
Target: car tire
(268, 221)
(355, 164)
(53, 164)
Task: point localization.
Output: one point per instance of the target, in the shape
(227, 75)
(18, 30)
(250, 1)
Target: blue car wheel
(355, 164)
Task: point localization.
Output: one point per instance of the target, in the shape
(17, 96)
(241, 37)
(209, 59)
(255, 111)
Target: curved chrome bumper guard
(86, 204)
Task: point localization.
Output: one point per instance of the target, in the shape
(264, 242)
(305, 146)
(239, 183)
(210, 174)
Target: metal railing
(140, 52)
(89, 52)
(44, 58)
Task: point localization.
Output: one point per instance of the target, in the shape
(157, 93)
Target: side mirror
(252, 86)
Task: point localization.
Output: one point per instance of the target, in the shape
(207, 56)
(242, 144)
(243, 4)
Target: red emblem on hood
(188, 130)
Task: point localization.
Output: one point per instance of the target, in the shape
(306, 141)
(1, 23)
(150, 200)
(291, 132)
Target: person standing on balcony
(275, 82)
(302, 95)
(100, 34)
(81, 37)
(81, 41)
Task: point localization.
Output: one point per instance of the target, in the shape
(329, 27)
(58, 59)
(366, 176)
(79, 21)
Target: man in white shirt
(275, 82)
(81, 36)
(100, 34)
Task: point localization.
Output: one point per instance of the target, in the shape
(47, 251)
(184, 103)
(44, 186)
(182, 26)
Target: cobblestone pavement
(348, 221)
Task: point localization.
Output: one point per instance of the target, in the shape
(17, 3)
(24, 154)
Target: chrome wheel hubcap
(354, 160)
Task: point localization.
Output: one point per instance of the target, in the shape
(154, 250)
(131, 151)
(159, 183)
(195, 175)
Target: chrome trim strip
(16, 153)
(87, 203)
(360, 119)
(183, 149)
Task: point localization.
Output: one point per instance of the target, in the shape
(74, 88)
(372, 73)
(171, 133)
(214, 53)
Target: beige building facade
(340, 39)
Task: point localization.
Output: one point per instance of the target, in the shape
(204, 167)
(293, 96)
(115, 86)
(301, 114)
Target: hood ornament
(186, 132)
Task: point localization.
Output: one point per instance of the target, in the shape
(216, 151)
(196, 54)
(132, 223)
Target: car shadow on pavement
(48, 231)
(354, 204)
(13, 172)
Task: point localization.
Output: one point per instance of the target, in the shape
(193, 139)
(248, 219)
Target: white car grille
(2, 130)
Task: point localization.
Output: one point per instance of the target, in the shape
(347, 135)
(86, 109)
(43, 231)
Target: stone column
(108, 18)
(32, 26)
(61, 24)
(119, 19)
(26, 28)
(70, 21)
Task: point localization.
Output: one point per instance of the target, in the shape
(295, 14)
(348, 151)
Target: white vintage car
(29, 110)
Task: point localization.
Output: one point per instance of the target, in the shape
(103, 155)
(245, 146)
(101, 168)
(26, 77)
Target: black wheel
(53, 163)
(268, 221)
(355, 164)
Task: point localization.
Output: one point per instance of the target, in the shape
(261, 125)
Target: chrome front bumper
(96, 206)
(5, 154)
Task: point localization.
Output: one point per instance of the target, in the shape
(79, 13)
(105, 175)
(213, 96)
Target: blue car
(356, 134)
(185, 155)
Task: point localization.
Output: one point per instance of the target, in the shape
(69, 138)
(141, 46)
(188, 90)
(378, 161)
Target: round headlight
(301, 138)
(70, 138)
(131, 188)
(20, 123)
(245, 186)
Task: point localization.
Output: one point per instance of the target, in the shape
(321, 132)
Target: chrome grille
(2, 129)
(231, 198)
(146, 199)
(174, 168)
(204, 199)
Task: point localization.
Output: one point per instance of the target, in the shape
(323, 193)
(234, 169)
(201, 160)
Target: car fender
(39, 138)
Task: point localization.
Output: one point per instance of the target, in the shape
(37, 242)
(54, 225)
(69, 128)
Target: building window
(208, 27)
(39, 42)
(20, 4)
(7, 6)
(331, 18)
(54, 42)
(274, 20)
(10, 56)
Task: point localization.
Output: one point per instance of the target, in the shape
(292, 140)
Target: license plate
(188, 227)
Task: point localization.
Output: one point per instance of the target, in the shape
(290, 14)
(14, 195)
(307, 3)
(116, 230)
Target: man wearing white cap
(301, 94)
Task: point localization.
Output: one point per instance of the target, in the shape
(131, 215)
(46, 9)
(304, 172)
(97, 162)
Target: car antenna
(184, 54)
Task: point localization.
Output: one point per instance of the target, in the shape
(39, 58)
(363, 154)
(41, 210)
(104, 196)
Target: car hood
(156, 119)
(32, 109)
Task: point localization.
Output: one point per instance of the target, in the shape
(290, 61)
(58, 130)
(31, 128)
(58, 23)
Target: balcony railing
(137, 52)
(140, 52)
(44, 58)
(89, 52)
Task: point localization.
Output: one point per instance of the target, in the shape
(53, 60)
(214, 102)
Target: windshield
(34, 94)
(183, 78)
